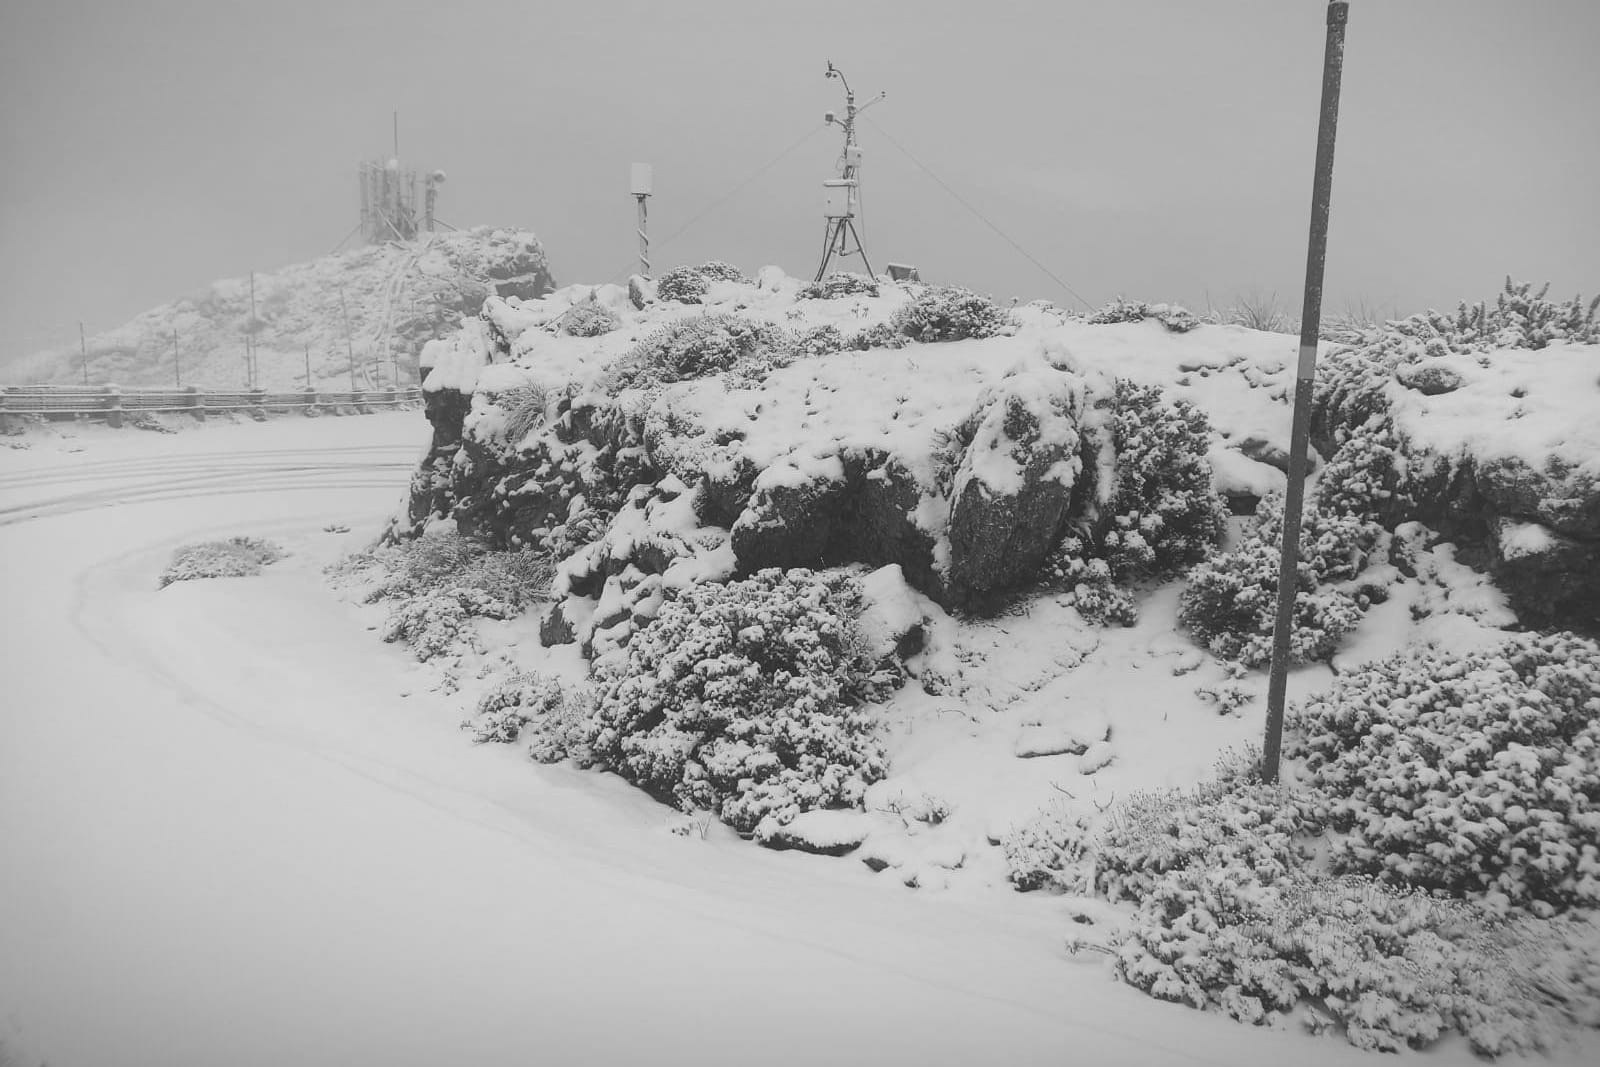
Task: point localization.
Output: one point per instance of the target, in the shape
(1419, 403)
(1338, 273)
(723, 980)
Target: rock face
(1015, 484)
(626, 490)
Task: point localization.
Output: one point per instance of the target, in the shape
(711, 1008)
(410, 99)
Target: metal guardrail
(112, 403)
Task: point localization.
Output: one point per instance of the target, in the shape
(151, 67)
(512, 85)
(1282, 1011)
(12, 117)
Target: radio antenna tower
(842, 195)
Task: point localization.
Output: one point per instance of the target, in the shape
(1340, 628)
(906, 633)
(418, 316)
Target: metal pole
(83, 346)
(1310, 329)
(644, 235)
(308, 366)
(177, 372)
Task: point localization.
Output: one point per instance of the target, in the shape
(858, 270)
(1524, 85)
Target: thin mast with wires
(842, 195)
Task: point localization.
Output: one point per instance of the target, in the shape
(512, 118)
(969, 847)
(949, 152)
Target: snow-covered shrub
(589, 320)
(554, 720)
(817, 341)
(438, 582)
(698, 347)
(1051, 850)
(838, 286)
(1231, 917)
(1230, 604)
(949, 313)
(882, 335)
(1174, 317)
(1476, 774)
(1088, 585)
(237, 557)
(1365, 476)
(746, 699)
(1119, 310)
(1220, 825)
(689, 285)
(1394, 969)
(1164, 512)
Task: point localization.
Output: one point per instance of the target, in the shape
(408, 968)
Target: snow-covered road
(235, 831)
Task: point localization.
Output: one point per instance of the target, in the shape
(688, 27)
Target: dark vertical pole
(1310, 329)
(308, 366)
(83, 346)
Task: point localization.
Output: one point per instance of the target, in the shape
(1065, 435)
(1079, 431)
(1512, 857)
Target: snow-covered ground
(233, 833)
(237, 829)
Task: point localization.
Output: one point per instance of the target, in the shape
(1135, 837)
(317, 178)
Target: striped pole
(1305, 375)
(644, 235)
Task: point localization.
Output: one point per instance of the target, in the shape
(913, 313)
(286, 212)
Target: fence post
(311, 401)
(5, 410)
(258, 402)
(196, 402)
(113, 406)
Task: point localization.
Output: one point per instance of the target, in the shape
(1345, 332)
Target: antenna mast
(842, 195)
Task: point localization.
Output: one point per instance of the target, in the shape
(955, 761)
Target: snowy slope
(398, 297)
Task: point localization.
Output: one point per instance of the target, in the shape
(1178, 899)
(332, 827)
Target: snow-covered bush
(949, 313)
(1174, 317)
(1164, 512)
(437, 582)
(1394, 969)
(1365, 476)
(882, 335)
(1220, 825)
(1476, 774)
(526, 407)
(1051, 850)
(689, 285)
(1119, 310)
(817, 341)
(1230, 604)
(1231, 917)
(746, 699)
(555, 721)
(589, 320)
(1087, 582)
(698, 347)
(237, 557)
(838, 286)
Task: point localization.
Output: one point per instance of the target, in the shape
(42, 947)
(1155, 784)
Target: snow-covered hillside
(398, 297)
(890, 572)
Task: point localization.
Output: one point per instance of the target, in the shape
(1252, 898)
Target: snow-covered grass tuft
(237, 557)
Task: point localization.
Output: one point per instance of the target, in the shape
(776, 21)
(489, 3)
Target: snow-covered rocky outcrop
(398, 296)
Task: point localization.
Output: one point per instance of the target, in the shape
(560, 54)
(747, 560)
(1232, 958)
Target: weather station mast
(842, 195)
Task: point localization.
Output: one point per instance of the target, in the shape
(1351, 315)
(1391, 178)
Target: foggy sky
(1158, 150)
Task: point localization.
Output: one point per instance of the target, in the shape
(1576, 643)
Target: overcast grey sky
(1159, 150)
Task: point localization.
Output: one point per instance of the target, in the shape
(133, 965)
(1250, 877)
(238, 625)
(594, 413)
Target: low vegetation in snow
(236, 557)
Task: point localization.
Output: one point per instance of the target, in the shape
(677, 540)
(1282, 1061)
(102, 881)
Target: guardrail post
(5, 410)
(113, 406)
(311, 401)
(258, 401)
(195, 402)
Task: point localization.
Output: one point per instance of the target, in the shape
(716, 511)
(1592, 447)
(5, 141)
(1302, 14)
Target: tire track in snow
(120, 482)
